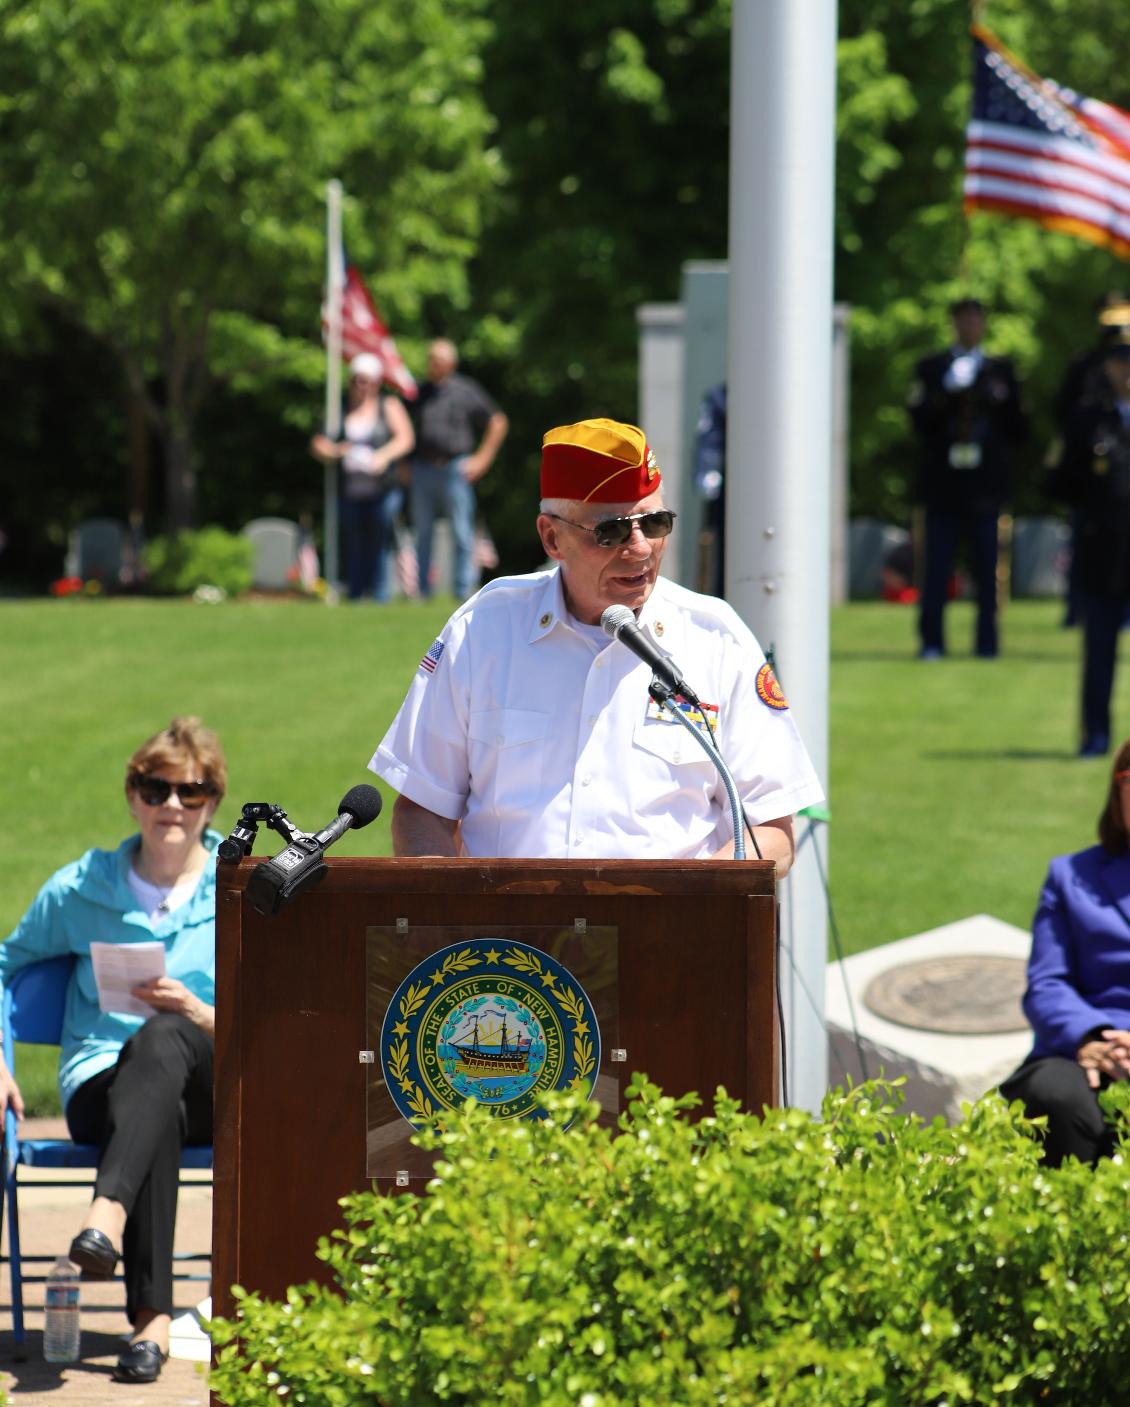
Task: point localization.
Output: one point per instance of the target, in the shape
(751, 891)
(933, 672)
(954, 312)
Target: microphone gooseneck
(619, 622)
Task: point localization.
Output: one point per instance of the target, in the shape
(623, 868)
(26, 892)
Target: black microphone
(300, 865)
(619, 622)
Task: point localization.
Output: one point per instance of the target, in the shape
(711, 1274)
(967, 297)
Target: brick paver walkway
(48, 1220)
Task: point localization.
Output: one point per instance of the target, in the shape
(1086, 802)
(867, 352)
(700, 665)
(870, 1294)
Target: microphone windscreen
(615, 618)
(363, 803)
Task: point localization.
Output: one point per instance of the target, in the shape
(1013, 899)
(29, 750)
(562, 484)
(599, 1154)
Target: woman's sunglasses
(614, 532)
(155, 791)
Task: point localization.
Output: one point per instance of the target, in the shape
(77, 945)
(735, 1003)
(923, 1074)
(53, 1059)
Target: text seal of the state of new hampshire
(492, 1019)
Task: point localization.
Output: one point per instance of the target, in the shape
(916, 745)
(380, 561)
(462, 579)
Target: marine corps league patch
(494, 1019)
(768, 690)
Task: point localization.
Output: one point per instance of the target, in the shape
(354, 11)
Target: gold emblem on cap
(652, 467)
(545, 620)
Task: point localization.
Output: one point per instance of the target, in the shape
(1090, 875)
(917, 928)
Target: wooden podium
(683, 954)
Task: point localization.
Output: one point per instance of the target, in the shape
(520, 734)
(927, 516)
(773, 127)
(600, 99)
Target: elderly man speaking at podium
(529, 733)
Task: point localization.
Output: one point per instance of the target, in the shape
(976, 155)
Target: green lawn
(952, 783)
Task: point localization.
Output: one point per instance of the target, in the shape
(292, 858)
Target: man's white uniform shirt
(546, 744)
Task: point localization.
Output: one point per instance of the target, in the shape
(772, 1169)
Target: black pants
(157, 1098)
(1058, 1088)
(943, 534)
(1103, 618)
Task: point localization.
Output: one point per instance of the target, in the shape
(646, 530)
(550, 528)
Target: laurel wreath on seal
(569, 1002)
(455, 962)
(418, 1101)
(410, 1003)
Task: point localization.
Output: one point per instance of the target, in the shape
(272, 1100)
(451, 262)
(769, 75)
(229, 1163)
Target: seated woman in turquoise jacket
(139, 1085)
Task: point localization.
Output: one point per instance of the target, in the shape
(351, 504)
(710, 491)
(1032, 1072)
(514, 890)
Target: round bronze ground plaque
(962, 995)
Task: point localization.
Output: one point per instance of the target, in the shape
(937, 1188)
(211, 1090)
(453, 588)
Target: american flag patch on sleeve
(432, 658)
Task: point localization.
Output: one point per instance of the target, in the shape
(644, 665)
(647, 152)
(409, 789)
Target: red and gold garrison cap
(598, 461)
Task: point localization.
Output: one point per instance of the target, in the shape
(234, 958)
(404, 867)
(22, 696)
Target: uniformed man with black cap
(1093, 475)
(1084, 381)
(1085, 378)
(528, 733)
(966, 409)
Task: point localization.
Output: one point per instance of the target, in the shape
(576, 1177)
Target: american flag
(1038, 151)
(363, 330)
(432, 658)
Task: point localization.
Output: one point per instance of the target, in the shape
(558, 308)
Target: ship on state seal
(477, 1060)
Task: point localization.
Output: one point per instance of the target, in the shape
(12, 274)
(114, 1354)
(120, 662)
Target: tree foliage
(164, 170)
(520, 178)
(613, 130)
(904, 248)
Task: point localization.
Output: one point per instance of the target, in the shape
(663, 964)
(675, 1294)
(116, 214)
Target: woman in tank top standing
(376, 435)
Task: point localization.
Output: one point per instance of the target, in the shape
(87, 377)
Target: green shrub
(862, 1258)
(178, 564)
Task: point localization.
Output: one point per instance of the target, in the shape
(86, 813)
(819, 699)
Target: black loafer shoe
(92, 1252)
(140, 1363)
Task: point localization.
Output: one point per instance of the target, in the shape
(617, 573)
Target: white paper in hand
(120, 966)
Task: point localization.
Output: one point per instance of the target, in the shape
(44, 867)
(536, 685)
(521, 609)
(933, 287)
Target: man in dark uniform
(1084, 378)
(1093, 475)
(966, 409)
(1083, 381)
(710, 481)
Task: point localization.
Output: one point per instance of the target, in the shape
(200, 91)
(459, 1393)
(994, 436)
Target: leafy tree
(613, 129)
(906, 250)
(164, 170)
(614, 132)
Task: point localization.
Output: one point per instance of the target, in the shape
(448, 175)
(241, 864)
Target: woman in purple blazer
(1078, 997)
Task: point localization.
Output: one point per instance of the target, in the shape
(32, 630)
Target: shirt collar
(550, 608)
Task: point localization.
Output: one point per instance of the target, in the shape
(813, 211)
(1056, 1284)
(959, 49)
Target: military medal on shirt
(663, 712)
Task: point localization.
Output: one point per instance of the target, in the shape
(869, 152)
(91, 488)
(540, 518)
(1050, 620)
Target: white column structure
(661, 405)
(779, 427)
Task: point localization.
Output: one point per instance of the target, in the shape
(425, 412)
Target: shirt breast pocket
(672, 744)
(506, 747)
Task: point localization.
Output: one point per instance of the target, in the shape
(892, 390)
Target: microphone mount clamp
(243, 835)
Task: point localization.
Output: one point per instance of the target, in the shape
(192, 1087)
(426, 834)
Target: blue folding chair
(32, 1012)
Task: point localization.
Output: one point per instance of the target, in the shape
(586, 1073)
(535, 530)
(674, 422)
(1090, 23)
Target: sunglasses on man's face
(155, 791)
(614, 532)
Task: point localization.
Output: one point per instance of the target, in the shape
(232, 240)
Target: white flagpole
(779, 426)
(335, 287)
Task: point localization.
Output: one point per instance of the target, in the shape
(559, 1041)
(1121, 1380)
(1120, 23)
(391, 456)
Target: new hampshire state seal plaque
(490, 1018)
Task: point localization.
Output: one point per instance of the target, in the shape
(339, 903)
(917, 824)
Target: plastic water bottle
(60, 1320)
